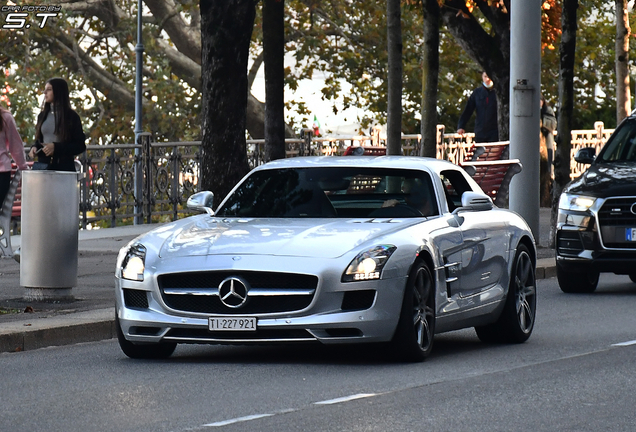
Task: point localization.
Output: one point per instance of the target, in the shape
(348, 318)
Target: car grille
(204, 335)
(614, 217)
(135, 299)
(358, 300)
(617, 211)
(269, 292)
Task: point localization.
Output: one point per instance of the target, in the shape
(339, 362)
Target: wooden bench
(365, 151)
(480, 152)
(494, 177)
(486, 163)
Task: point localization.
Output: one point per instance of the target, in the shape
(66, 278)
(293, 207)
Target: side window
(454, 187)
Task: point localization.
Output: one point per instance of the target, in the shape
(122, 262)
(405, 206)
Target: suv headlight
(368, 265)
(134, 262)
(575, 202)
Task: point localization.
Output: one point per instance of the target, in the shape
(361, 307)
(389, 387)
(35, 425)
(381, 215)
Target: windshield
(621, 146)
(332, 193)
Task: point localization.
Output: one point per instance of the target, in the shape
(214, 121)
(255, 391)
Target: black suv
(596, 227)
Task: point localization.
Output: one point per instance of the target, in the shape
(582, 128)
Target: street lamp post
(525, 87)
(139, 50)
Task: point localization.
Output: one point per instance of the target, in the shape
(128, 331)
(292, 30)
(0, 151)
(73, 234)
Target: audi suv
(596, 226)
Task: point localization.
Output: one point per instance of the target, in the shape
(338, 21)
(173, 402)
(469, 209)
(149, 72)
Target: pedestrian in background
(59, 136)
(484, 101)
(10, 147)
(548, 126)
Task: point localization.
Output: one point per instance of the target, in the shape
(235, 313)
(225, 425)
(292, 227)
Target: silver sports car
(388, 250)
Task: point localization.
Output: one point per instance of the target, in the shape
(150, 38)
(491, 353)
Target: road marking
(622, 344)
(259, 416)
(345, 399)
(237, 420)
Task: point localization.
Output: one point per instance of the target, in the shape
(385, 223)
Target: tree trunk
(623, 97)
(394, 106)
(430, 76)
(226, 29)
(274, 52)
(567, 50)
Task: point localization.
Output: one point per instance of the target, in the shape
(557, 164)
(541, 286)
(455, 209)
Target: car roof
(399, 162)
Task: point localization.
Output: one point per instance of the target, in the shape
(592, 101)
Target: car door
(481, 258)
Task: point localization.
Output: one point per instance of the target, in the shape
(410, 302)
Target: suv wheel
(581, 281)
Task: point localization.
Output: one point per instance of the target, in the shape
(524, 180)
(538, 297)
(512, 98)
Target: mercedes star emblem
(233, 291)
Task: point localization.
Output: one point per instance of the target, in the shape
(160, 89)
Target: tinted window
(622, 144)
(333, 192)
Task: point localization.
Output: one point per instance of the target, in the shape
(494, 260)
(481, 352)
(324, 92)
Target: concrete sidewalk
(26, 325)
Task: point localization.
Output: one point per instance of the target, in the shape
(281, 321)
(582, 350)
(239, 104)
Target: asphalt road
(576, 373)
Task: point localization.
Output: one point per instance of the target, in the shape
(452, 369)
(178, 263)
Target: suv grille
(615, 218)
(198, 292)
(617, 211)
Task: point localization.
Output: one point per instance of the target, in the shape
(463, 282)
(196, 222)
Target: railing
(171, 171)
(587, 138)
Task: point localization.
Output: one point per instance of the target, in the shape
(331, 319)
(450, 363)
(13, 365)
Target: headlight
(575, 202)
(368, 264)
(133, 265)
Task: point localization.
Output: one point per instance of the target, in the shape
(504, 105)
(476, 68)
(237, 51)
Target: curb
(93, 326)
(89, 326)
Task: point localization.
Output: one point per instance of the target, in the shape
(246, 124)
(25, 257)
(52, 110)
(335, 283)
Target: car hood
(276, 237)
(603, 180)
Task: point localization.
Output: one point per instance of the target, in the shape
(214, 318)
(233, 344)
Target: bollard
(49, 239)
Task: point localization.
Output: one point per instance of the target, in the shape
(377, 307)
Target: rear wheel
(517, 318)
(413, 339)
(143, 351)
(580, 281)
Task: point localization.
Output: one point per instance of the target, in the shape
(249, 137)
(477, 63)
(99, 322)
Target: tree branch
(169, 19)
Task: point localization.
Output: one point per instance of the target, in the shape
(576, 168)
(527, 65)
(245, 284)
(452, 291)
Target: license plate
(232, 324)
(630, 234)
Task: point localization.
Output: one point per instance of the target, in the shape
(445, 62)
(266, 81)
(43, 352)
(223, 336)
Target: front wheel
(413, 339)
(517, 318)
(583, 281)
(143, 351)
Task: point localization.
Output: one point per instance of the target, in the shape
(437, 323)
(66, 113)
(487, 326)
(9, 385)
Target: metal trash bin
(49, 238)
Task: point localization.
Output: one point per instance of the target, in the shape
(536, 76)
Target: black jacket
(65, 152)
(485, 102)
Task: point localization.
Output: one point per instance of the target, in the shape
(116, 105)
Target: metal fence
(171, 170)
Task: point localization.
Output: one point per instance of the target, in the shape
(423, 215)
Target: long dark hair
(61, 107)
(2, 110)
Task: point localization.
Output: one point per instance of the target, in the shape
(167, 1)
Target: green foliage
(345, 41)
(171, 108)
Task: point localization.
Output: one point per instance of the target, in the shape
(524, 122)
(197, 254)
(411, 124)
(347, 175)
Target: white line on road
(622, 344)
(259, 416)
(237, 420)
(345, 399)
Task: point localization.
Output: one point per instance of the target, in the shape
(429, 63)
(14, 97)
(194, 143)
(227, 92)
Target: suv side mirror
(585, 155)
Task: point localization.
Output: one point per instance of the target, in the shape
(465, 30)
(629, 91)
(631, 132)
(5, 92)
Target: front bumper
(581, 245)
(330, 317)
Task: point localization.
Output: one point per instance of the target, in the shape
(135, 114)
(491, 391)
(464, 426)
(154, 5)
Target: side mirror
(477, 201)
(201, 202)
(585, 155)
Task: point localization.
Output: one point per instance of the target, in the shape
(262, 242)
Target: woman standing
(59, 136)
(548, 126)
(10, 147)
